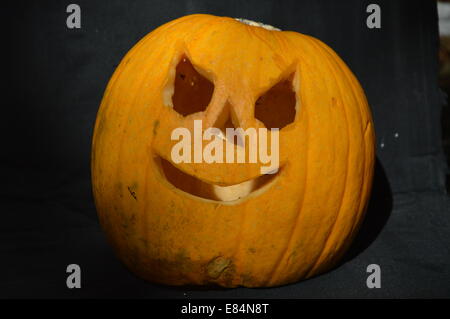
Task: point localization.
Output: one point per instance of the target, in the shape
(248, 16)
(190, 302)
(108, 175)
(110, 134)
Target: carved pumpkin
(226, 223)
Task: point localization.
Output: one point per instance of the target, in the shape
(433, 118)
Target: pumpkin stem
(257, 24)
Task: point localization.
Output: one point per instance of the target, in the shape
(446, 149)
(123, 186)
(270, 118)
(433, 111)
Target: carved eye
(192, 92)
(276, 107)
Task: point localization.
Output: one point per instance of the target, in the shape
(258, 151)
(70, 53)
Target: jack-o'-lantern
(227, 223)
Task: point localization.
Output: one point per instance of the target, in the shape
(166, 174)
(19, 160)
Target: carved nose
(225, 121)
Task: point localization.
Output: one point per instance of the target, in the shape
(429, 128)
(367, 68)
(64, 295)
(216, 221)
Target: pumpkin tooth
(234, 192)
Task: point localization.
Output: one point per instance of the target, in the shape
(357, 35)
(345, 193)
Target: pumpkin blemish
(217, 266)
(155, 127)
(132, 193)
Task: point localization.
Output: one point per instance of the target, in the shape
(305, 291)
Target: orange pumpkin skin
(298, 226)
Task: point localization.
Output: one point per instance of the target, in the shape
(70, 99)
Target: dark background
(55, 78)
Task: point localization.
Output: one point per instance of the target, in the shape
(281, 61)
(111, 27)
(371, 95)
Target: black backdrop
(55, 79)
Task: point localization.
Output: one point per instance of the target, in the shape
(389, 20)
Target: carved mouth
(196, 187)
